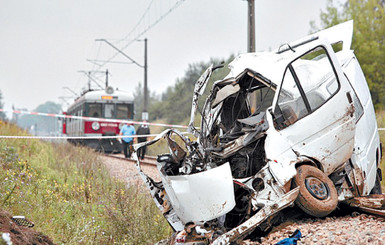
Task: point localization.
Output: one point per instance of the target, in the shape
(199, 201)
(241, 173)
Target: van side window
(290, 100)
(308, 82)
(316, 76)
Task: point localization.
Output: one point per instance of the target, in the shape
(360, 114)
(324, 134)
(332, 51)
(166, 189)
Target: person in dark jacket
(143, 129)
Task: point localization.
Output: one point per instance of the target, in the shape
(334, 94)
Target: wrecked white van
(293, 126)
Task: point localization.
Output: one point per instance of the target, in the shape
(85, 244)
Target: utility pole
(251, 44)
(89, 80)
(145, 93)
(251, 26)
(107, 78)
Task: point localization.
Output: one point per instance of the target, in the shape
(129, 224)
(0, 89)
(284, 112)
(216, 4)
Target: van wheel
(317, 193)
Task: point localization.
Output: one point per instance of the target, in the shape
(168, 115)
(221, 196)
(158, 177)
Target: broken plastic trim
(22, 221)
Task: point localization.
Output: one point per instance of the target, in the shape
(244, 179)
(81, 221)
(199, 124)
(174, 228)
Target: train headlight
(95, 126)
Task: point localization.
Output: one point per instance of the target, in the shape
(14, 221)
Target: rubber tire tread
(306, 201)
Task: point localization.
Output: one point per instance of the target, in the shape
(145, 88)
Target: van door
(314, 109)
(367, 153)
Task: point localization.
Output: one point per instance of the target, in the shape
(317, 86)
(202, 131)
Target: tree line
(368, 38)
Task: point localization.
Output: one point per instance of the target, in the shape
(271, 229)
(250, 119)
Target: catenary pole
(251, 26)
(251, 43)
(145, 93)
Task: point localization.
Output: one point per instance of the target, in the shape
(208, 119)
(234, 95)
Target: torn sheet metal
(375, 201)
(198, 91)
(243, 229)
(373, 204)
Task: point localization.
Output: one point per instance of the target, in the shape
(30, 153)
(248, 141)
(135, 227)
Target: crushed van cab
(295, 126)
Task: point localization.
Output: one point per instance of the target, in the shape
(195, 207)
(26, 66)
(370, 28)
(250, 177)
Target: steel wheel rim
(317, 188)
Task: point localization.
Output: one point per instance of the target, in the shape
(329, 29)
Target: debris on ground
(292, 239)
(12, 233)
(356, 228)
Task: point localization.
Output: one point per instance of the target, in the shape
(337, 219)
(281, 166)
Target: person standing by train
(143, 129)
(127, 130)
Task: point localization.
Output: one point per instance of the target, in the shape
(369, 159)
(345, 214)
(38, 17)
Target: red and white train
(108, 104)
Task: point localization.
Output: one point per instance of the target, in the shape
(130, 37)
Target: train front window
(109, 110)
(124, 111)
(94, 110)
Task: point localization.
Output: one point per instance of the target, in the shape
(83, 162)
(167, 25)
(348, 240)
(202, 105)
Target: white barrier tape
(92, 118)
(91, 137)
(80, 137)
(75, 137)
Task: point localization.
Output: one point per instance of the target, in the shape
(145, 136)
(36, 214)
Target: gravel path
(127, 172)
(354, 228)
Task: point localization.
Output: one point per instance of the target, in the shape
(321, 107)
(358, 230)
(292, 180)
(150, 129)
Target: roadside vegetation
(368, 38)
(67, 192)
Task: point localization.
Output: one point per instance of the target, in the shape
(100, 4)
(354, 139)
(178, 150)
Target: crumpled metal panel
(202, 196)
(198, 91)
(374, 204)
(375, 201)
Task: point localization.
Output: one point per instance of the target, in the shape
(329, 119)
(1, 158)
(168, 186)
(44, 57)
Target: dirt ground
(127, 172)
(19, 234)
(344, 227)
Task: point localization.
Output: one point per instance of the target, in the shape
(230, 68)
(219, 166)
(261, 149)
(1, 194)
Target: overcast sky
(45, 43)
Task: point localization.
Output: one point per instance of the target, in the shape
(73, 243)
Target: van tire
(317, 193)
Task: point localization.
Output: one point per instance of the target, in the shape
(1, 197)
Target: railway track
(148, 160)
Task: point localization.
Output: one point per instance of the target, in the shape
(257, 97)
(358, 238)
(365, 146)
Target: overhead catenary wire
(140, 20)
(74, 137)
(97, 57)
(142, 32)
(96, 62)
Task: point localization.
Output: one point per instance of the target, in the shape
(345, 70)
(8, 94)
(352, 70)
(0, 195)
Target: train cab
(94, 106)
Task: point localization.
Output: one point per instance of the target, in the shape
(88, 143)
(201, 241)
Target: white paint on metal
(202, 196)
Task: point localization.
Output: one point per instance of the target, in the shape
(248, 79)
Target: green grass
(69, 195)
